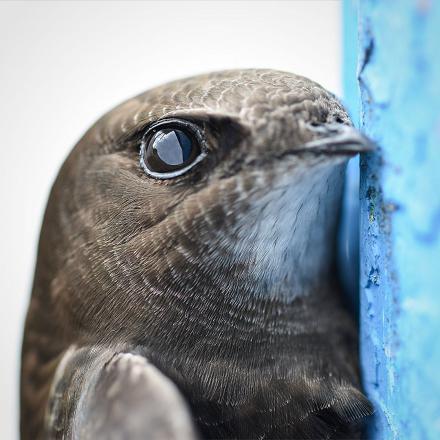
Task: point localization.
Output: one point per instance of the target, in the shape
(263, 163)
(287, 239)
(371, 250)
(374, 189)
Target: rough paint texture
(399, 74)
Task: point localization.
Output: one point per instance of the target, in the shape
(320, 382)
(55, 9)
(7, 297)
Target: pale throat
(289, 234)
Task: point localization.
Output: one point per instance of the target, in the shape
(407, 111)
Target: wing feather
(103, 394)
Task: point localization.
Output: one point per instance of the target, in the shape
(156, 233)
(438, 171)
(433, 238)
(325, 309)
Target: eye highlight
(170, 148)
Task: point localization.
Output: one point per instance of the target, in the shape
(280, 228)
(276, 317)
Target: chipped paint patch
(399, 68)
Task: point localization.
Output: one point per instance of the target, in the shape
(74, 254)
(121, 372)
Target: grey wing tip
(104, 395)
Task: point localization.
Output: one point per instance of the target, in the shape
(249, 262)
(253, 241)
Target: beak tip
(342, 139)
(366, 145)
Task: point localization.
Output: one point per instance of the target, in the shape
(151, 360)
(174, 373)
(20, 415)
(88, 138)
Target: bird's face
(210, 192)
(195, 224)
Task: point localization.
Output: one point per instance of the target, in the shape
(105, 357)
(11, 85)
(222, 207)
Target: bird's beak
(338, 139)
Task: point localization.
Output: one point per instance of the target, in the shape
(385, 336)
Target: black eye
(171, 148)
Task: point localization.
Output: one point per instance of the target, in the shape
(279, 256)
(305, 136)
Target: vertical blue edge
(348, 243)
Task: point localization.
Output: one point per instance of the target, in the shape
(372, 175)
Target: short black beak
(338, 139)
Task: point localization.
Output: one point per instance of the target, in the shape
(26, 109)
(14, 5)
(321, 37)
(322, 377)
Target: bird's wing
(105, 394)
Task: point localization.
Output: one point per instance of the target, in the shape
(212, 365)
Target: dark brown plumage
(222, 278)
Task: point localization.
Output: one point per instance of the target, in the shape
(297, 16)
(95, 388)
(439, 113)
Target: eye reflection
(172, 147)
(172, 150)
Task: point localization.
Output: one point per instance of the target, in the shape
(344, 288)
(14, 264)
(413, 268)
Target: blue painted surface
(399, 77)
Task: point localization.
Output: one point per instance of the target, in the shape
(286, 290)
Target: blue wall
(398, 67)
(349, 233)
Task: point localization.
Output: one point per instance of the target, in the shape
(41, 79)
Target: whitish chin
(288, 233)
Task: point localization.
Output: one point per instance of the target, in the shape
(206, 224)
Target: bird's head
(209, 192)
(197, 222)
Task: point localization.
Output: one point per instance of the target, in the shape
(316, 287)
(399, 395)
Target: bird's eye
(171, 148)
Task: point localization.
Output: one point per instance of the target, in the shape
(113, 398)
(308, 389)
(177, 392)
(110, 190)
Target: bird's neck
(285, 243)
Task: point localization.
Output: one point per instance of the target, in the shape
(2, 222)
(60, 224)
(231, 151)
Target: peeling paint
(398, 49)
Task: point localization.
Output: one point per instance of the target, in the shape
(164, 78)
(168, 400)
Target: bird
(186, 284)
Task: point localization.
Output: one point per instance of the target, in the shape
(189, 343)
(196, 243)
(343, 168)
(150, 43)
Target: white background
(65, 63)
